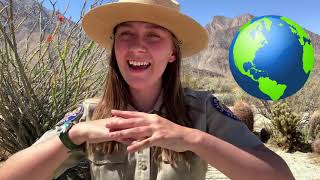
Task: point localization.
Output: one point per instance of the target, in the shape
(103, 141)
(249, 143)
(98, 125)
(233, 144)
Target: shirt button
(144, 167)
(166, 161)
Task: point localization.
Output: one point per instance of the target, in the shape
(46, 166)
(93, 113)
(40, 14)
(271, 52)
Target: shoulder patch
(222, 108)
(73, 116)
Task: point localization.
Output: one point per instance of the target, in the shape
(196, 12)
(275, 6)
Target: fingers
(117, 123)
(133, 133)
(127, 114)
(140, 145)
(127, 141)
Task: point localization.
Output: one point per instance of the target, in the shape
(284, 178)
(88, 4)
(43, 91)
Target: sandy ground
(304, 166)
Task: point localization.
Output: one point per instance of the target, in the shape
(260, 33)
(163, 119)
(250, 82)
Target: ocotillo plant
(44, 74)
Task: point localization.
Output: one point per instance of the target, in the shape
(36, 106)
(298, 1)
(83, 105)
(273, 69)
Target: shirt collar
(156, 108)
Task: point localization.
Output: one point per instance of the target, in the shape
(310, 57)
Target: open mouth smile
(138, 65)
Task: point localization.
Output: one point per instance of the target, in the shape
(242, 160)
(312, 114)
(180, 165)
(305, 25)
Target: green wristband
(65, 139)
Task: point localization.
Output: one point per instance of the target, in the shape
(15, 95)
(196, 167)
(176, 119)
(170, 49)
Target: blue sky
(305, 12)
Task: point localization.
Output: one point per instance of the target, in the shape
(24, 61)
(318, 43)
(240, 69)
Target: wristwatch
(64, 136)
(66, 124)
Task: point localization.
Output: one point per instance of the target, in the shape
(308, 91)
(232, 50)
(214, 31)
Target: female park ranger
(145, 125)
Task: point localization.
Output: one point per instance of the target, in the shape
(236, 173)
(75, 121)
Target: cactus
(286, 123)
(244, 112)
(316, 146)
(314, 126)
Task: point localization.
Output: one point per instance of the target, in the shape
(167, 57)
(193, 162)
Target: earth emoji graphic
(271, 57)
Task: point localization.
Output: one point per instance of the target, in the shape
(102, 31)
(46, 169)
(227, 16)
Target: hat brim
(99, 22)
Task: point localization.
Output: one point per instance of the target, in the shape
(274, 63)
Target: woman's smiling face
(143, 51)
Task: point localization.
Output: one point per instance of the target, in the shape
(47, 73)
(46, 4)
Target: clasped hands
(138, 130)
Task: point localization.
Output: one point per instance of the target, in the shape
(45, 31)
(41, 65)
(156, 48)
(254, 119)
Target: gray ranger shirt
(207, 115)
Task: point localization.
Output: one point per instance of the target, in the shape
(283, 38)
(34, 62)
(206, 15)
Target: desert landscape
(53, 46)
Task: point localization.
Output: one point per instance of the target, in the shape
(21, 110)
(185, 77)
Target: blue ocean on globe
(271, 57)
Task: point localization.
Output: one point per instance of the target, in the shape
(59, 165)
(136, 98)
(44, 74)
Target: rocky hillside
(28, 18)
(213, 59)
(221, 32)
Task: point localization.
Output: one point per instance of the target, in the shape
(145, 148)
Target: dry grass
(308, 98)
(212, 84)
(220, 84)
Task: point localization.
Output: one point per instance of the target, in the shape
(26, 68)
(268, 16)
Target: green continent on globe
(308, 51)
(250, 40)
(271, 88)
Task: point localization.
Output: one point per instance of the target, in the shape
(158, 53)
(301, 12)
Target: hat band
(172, 4)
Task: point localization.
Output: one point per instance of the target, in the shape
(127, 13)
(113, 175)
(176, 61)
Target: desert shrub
(227, 99)
(244, 112)
(221, 84)
(285, 128)
(189, 81)
(316, 146)
(45, 74)
(314, 126)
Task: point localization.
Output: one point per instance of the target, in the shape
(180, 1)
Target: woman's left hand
(146, 130)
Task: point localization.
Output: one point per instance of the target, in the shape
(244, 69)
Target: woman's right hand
(90, 131)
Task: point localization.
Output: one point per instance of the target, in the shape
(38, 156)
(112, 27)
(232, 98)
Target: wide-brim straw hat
(99, 22)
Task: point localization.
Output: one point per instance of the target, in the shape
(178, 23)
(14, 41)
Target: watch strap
(65, 139)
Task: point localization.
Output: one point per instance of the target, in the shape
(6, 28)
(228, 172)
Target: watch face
(64, 127)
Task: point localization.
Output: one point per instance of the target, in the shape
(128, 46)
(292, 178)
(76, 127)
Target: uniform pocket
(169, 172)
(105, 159)
(198, 168)
(111, 167)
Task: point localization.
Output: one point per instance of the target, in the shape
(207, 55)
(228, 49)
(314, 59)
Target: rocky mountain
(213, 59)
(221, 32)
(27, 17)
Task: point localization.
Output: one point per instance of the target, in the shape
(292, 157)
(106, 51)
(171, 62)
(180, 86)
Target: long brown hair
(117, 95)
